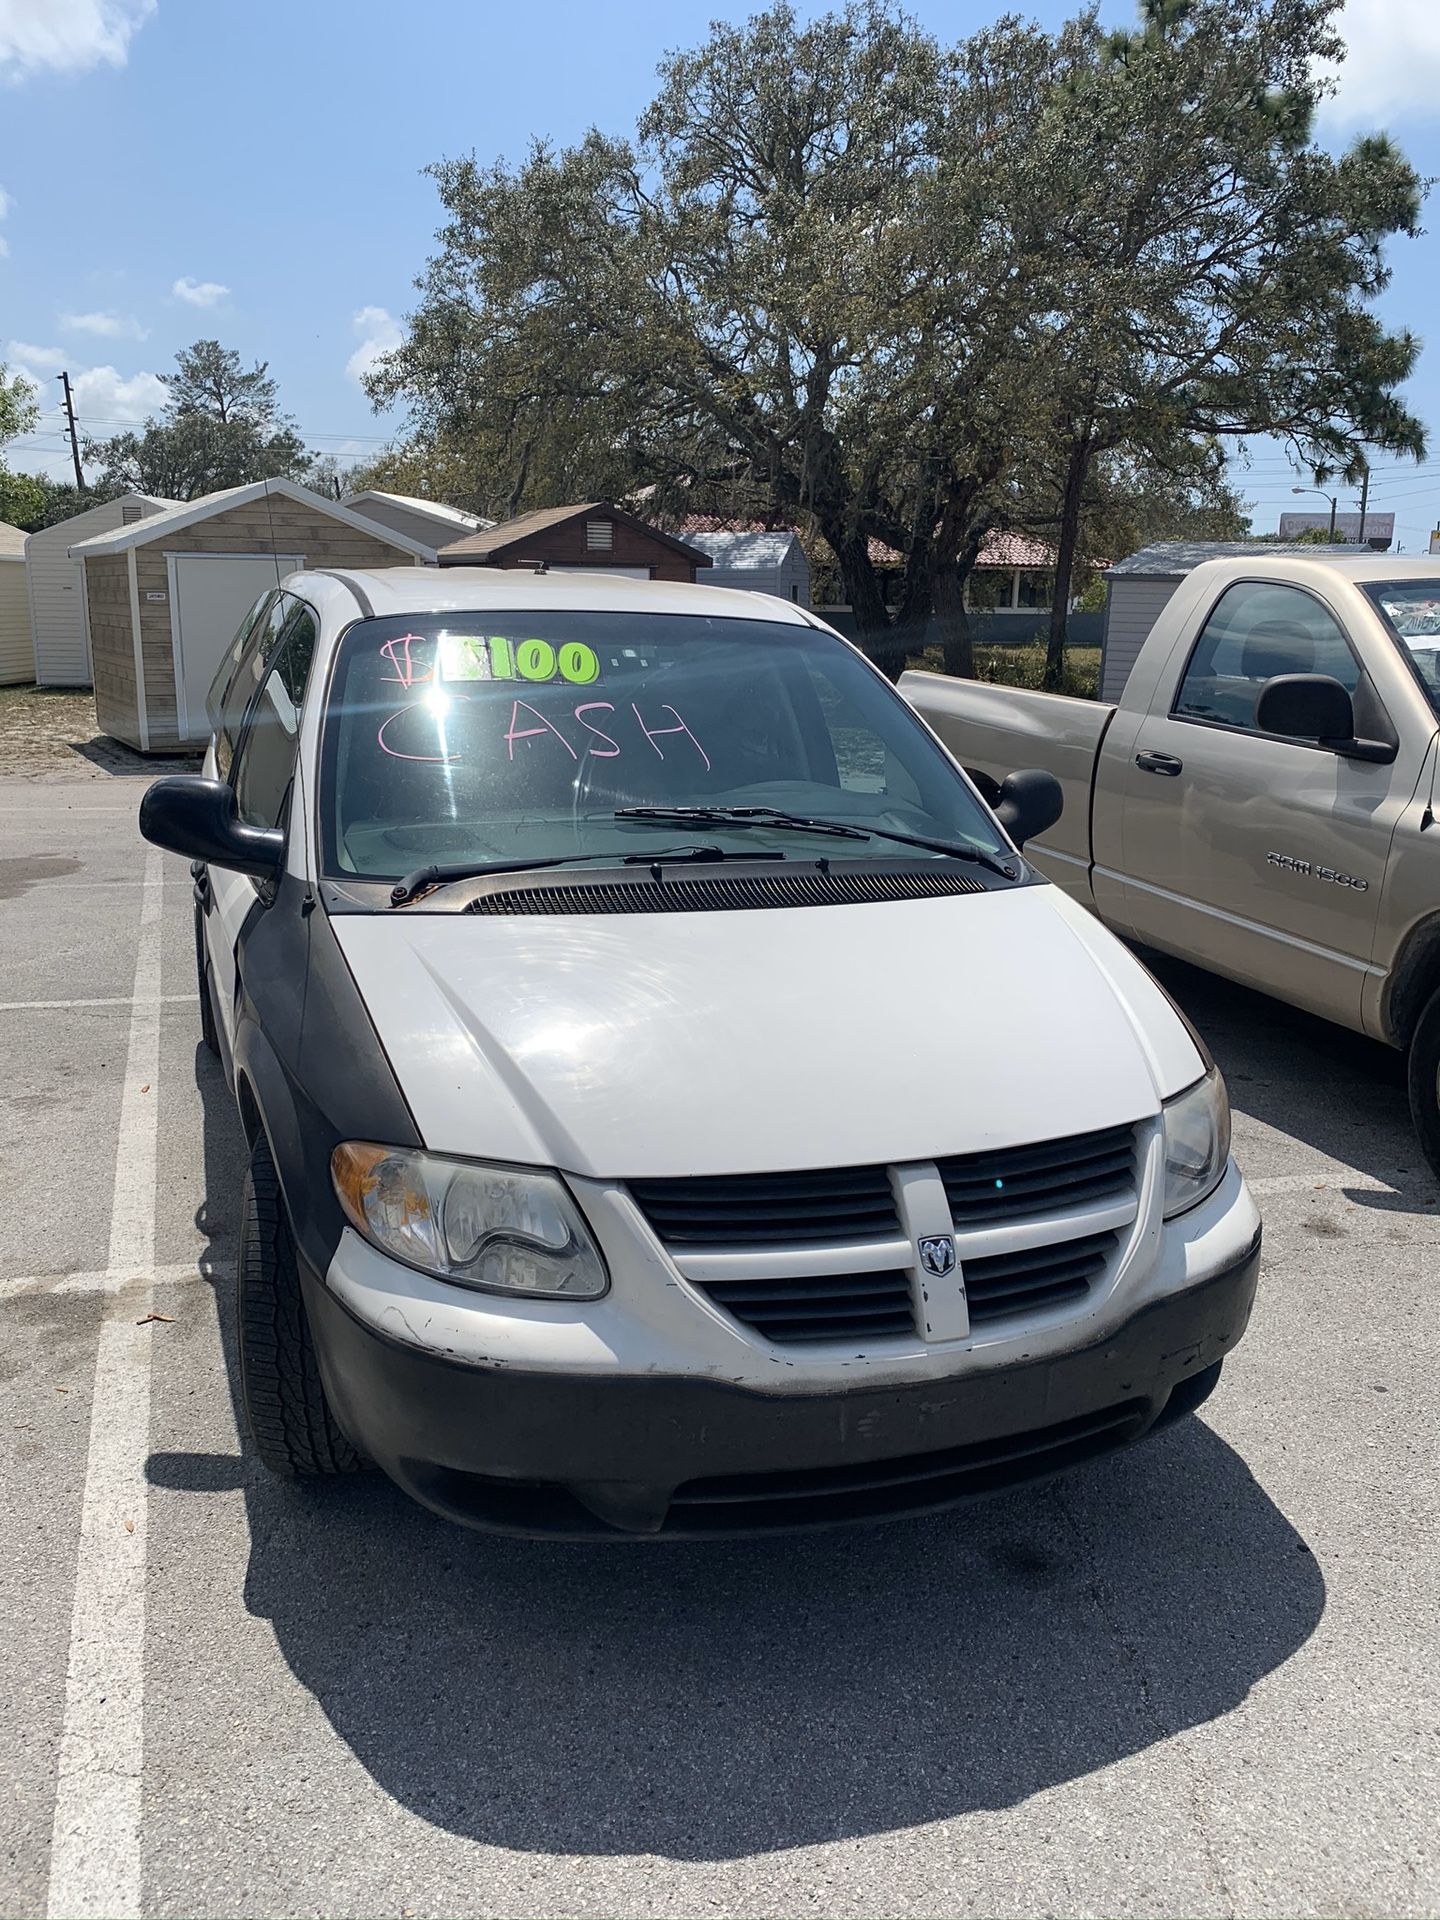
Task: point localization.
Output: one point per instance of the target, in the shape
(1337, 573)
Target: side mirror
(1030, 801)
(1307, 706)
(1312, 706)
(196, 817)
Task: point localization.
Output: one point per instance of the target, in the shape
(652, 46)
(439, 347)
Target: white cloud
(67, 36)
(107, 402)
(5, 205)
(36, 362)
(1393, 66)
(378, 331)
(198, 293)
(109, 326)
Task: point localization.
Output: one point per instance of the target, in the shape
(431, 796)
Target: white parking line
(95, 1841)
(27, 1285)
(1329, 1178)
(117, 1000)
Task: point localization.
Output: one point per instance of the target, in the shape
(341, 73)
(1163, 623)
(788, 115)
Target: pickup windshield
(1411, 610)
(502, 737)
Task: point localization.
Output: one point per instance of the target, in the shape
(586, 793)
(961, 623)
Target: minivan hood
(734, 1042)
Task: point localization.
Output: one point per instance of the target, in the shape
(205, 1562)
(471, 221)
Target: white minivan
(675, 1105)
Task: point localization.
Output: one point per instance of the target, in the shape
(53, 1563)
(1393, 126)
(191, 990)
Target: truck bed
(996, 730)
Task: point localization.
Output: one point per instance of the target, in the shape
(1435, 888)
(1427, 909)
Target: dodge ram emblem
(937, 1254)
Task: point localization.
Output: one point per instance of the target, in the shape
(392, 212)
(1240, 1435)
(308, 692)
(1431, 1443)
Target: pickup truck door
(1256, 855)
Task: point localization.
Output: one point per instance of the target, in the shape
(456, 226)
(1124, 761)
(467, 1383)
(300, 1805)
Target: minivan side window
(230, 660)
(266, 758)
(255, 657)
(1257, 630)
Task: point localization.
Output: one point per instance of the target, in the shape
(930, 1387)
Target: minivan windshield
(1411, 610)
(452, 739)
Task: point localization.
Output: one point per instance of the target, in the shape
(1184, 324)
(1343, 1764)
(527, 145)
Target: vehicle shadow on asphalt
(709, 1701)
(1334, 1092)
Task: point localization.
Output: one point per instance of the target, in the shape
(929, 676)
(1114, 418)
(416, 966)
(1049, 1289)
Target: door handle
(1165, 763)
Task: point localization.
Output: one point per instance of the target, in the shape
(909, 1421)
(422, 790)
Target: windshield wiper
(777, 817)
(425, 879)
(701, 851)
(741, 817)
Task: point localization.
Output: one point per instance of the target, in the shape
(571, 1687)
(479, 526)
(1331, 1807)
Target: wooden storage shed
(425, 520)
(17, 649)
(165, 596)
(57, 586)
(586, 538)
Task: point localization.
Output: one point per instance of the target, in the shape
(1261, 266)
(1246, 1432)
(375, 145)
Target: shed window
(599, 536)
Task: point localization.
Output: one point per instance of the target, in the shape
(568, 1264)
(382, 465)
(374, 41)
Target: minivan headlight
(501, 1229)
(1196, 1126)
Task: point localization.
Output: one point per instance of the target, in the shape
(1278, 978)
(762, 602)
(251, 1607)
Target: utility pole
(1364, 502)
(74, 436)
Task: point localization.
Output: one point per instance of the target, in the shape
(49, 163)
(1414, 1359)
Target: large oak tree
(910, 293)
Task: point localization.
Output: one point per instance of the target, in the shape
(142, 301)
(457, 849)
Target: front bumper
(610, 1453)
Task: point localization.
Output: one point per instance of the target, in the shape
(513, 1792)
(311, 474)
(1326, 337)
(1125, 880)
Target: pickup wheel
(1425, 1081)
(291, 1426)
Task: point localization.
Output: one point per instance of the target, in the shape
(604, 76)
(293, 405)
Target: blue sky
(251, 170)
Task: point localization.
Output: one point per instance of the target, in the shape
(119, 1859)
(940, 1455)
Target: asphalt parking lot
(1200, 1678)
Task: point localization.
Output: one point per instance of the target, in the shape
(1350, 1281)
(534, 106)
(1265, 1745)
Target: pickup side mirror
(1313, 706)
(1308, 706)
(186, 814)
(1029, 802)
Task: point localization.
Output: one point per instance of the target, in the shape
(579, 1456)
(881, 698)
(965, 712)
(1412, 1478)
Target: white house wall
(57, 590)
(17, 655)
(1131, 610)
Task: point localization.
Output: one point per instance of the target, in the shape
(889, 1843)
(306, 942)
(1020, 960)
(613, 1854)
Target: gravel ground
(50, 732)
(1199, 1678)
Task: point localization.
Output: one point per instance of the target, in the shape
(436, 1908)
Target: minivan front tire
(292, 1429)
(1424, 1075)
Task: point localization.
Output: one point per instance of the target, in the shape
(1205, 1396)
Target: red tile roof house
(1015, 574)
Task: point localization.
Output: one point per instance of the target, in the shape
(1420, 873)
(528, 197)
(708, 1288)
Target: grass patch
(1024, 667)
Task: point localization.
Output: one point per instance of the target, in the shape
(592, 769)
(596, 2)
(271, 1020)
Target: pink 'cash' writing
(530, 728)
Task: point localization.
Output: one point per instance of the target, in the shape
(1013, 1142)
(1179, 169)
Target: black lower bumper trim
(630, 1456)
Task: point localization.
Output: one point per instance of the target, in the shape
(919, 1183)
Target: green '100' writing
(534, 660)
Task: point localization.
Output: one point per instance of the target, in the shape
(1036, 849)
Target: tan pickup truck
(1262, 800)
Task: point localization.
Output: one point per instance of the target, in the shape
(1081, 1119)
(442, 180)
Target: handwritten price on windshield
(598, 743)
(465, 658)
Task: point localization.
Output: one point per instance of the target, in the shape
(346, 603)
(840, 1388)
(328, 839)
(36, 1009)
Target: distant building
(1379, 527)
(771, 563)
(589, 537)
(429, 521)
(1139, 587)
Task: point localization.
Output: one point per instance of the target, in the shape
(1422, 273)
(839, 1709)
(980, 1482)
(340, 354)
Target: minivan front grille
(722, 893)
(1010, 1182)
(831, 1306)
(763, 1225)
(1012, 1283)
(837, 1205)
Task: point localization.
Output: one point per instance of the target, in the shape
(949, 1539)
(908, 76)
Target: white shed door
(210, 594)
